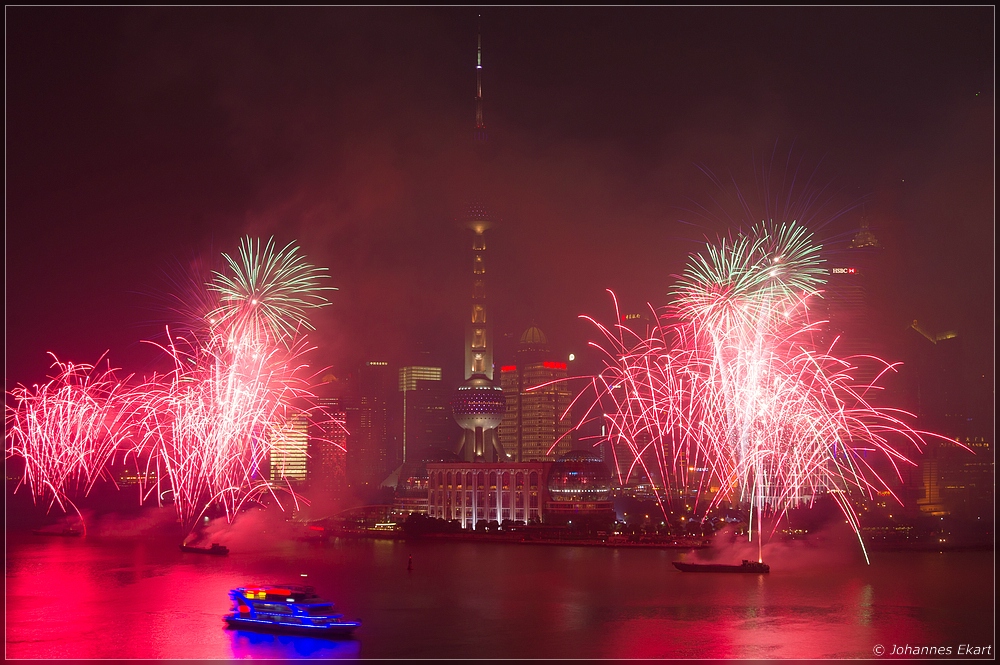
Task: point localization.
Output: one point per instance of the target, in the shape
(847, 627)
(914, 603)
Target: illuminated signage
(843, 271)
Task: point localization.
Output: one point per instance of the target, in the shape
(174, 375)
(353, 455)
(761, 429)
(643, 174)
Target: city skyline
(592, 189)
(251, 362)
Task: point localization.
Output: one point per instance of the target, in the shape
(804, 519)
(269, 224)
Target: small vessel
(286, 608)
(68, 532)
(745, 567)
(216, 549)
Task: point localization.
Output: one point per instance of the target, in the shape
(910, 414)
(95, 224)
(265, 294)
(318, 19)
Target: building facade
(470, 493)
(426, 419)
(372, 447)
(849, 305)
(536, 424)
(289, 450)
(328, 448)
(577, 486)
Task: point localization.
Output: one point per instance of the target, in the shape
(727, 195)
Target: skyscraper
(848, 304)
(426, 415)
(328, 448)
(372, 447)
(289, 450)
(536, 424)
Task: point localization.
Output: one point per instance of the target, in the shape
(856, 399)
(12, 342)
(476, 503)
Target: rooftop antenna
(480, 133)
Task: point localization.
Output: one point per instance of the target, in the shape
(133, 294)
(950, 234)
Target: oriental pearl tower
(479, 404)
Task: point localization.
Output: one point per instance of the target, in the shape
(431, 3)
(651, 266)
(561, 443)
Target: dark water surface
(97, 597)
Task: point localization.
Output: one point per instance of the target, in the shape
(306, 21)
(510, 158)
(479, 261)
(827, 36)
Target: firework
(200, 433)
(206, 426)
(733, 380)
(68, 430)
(268, 291)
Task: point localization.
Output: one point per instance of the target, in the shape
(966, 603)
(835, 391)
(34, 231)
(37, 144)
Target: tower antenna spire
(480, 133)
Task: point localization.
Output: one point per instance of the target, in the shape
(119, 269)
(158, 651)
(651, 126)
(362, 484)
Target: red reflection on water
(100, 598)
(55, 597)
(800, 614)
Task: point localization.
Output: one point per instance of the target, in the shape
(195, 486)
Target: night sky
(144, 138)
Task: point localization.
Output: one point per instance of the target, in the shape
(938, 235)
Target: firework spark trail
(207, 425)
(202, 431)
(67, 431)
(776, 414)
(732, 379)
(269, 291)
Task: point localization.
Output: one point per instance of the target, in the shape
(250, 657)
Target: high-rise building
(639, 323)
(427, 421)
(849, 307)
(372, 447)
(290, 449)
(328, 448)
(954, 478)
(536, 423)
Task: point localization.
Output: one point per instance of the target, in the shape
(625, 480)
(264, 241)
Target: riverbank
(518, 539)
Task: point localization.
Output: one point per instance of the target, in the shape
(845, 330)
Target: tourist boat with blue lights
(216, 549)
(745, 567)
(287, 608)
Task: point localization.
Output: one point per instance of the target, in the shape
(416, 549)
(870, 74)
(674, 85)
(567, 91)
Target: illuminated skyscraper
(536, 424)
(289, 450)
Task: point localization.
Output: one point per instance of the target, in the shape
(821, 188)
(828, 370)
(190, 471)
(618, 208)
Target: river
(140, 597)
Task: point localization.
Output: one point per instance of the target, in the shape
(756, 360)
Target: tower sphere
(478, 219)
(478, 403)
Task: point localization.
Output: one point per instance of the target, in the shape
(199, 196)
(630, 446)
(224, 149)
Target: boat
(216, 549)
(745, 567)
(68, 532)
(287, 608)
